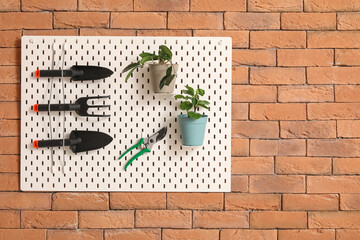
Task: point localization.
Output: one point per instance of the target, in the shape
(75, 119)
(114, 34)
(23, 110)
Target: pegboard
(135, 111)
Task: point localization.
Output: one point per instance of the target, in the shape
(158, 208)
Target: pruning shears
(147, 142)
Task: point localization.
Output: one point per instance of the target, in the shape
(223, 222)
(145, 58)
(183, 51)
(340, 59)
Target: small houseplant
(162, 69)
(192, 124)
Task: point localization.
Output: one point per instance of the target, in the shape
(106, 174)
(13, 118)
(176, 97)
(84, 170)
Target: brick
(333, 75)
(248, 93)
(219, 6)
(277, 39)
(195, 20)
(276, 111)
(306, 93)
(10, 5)
(350, 202)
(255, 129)
(165, 33)
(252, 165)
(240, 75)
(23, 234)
(49, 219)
(9, 56)
(335, 219)
(245, 201)
(133, 234)
(310, 202)
(228, 219)
(40, 5)
(9, 128)
(334, 147)
(10, 39)
(25, 201)
(9, 219)
(237, 234)
(106, 5)
(106, 219)
(325, 111)
(199, 234)
(277, 75)
(240, 39)
(346, 166)
(277, 184)
(347, 57)
(80, 201)
(239, 183)
(347, 234)
(347, 93)
(278, 219)
(10, 110)
(303, 165)
(10, 74)
(251, 21)
(287, 147)
(334, 39)
(198, 201)
(10, 164)
(305, 57)
(10, 92)
(52, 32)
(81, 19)
(331, 5)
(239, 111)
(9, 181)
(75, 234)
(275, 5)
(308, 129)
(137, 200)
(22, 20)
(254, 57)
(106, 32)
(161, 5)
(163, 218)
(333, 184)
(308, 234)
(138, 20)
(348, 128)
(239, 147)
(9, 145)
(308, 21)
(348, 21)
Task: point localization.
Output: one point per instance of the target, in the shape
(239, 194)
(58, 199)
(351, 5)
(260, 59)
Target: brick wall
(296, 128)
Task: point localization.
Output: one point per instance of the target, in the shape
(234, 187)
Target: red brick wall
(296, 128)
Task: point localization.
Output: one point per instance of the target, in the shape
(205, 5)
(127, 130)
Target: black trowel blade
(91, 72)
(90, 140)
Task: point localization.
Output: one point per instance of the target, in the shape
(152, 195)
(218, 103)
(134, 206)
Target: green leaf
(204, 102)
(166, 50)
(130, 66)
(145, 59)
(186, 105)
(191, 90)
(194, 115)
(145, 54)
(129, 74)
(169, 70)
(204, 106)
(194, 101)
(179, 96)
(164, 56)
(166, 80)
(200, 92)
(187, 92)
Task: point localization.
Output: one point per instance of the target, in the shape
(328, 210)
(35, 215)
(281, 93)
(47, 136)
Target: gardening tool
(80, 107)
(77, 73)
(79, 141)
(147, 142)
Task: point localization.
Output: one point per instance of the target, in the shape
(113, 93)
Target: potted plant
(162, 69)
(192, 124)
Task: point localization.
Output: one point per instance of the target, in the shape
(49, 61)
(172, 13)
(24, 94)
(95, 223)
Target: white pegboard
(170, 167)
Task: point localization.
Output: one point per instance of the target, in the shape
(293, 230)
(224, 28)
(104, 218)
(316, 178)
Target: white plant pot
(157, 72)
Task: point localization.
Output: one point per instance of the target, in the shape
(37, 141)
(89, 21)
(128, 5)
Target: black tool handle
(53, 73)
(56, 142)
(56, 107)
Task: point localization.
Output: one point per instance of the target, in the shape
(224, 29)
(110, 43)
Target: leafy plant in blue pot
(192, 124)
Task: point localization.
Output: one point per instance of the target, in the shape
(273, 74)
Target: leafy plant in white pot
(192, 124)
(162, 69)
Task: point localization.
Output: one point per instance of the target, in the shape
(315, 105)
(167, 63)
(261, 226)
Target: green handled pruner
(148, 142)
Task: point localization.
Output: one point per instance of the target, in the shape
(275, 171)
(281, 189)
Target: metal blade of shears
(156, 137)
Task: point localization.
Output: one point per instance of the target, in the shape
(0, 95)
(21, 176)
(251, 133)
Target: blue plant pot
(192, 130)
